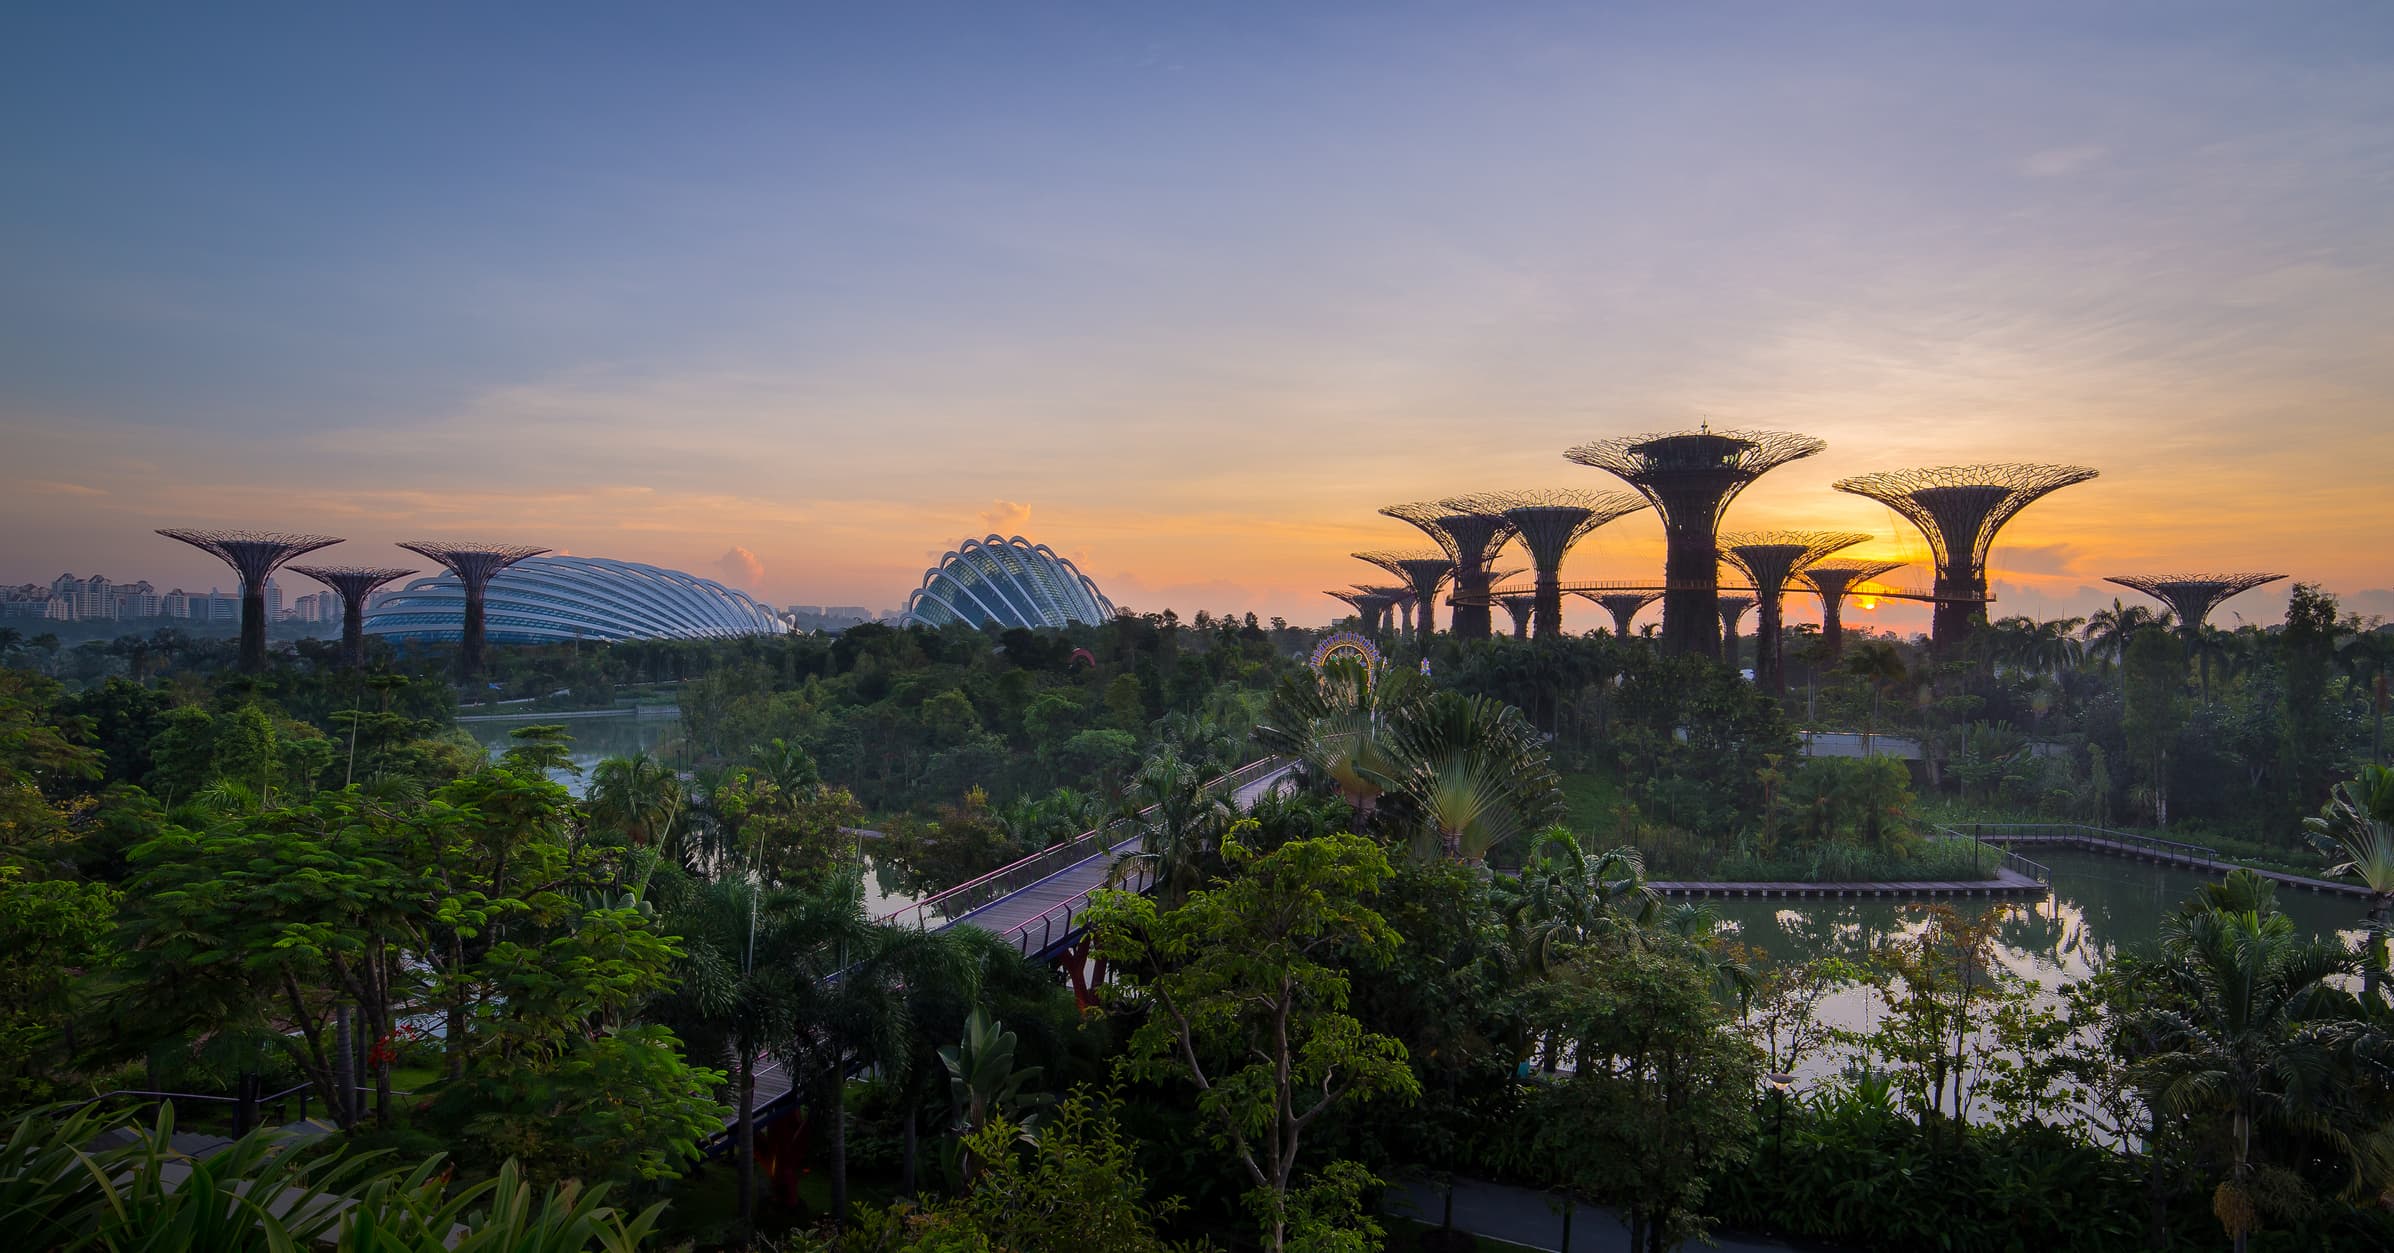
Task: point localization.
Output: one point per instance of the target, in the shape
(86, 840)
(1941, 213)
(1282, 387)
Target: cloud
(44, 487)
(1005, 517)
(2036, 558)
(2057, 162)
(742, 569)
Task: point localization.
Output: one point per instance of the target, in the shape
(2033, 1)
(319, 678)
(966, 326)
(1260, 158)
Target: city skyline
(799, 303)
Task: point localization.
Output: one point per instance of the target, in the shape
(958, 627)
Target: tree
(638, 800)
(2154, 678)
(1661, 1097)
(1179, 820)
(52, 932)
(2307, 748)
(2247, 1045)
(1877, 664)
(2357, 824)
(1333, 723)
(1473, 774)
(1247, 1001)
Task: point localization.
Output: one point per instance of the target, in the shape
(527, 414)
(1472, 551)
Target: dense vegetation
(535, 1004)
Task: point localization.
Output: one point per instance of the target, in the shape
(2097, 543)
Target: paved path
(2172, 857)
(1534, 1220)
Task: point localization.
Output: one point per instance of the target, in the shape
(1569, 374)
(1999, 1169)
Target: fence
(947, 906)
(2102, 839)
(2008, 859)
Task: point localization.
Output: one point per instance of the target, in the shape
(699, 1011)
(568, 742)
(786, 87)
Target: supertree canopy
(1832, 578)
(352, 584)
(1691, 476)
(1520, 607)
(473, 563)
(1471, 538)
(253, 555)
(1381, 599)
(2192, 596)
(1624, 607)
(1733, 611)
(1550, 521)
(1422, 572)
(1770, 559)
(1959, 509)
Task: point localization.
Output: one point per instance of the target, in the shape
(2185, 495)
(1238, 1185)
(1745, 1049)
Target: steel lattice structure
(1733, 611)
(1958, 510)
(1521, 609)
(1424, 573)
(353, 584)
(2192, 596)
(1624, 606)
(1550, 521)
(474, 563)
(1770, 559)
(1831, 579)
(253, 555)
(1691, 476)
(1377, 600)
(1471, 538)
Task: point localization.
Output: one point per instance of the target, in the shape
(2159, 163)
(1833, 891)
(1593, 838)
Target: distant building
(1006, 583)
(553, 600)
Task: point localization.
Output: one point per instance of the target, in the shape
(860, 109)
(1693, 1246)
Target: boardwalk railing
(1056, 924)
(2009, 860)
(953, 903)
(2102, 839)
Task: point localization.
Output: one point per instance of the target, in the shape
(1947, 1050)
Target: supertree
(1733, 611)
(1357, 601)
(1520, 607)
(1550, 521)
(1383, 600)
(1832, 579)
(1691, 476)
(1770, 559)
(1624, 606)
(253, 555)
(473, 564)
(1471, 538)
(2192, 597)
(352, 584)
(1424, 574)
(1959, 509)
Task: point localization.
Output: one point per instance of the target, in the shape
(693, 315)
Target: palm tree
(639, 799)
(2109, 630)
(2357, 824)
(2369, 657)
(984, 1082)
(1180, 822)
(1472, 772)
(748, 953)
(1334, 724)
(1876, 663)
(1569, 895)
(2248, 1034)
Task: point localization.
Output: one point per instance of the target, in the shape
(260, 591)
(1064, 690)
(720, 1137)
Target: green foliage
(1246, 1000)
(51, 933)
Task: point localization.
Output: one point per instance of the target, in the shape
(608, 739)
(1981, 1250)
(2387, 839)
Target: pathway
(2007, 882)
(1535, 1220)
(2160, 852)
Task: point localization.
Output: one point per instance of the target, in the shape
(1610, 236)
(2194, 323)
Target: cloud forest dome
(545, 600)
(1006, 582)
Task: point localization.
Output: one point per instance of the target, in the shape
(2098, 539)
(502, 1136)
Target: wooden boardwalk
(2187, 856)
(2006, 883)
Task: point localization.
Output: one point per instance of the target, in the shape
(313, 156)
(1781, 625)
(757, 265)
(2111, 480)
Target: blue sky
(1184, 291)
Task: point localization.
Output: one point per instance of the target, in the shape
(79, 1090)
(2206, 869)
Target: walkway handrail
(970, 895)
(2036, 870)
(2169, 849)
(1039, 933)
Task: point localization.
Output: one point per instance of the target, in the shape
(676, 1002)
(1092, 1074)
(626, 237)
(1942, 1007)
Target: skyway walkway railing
(2102, 838)
(2036, 870)
(942, 908)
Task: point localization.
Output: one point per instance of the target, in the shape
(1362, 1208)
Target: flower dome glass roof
(1003, 582)
(543, 600)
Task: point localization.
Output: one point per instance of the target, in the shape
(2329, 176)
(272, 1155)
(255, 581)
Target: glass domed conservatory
(1006, 583)
(553, 600)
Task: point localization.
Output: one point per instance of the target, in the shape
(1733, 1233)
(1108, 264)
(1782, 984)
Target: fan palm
(1334, 724)
(2357, 824)
(1472, 772)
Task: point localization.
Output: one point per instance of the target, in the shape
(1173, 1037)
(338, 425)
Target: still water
(657, 732)
(2100, 907)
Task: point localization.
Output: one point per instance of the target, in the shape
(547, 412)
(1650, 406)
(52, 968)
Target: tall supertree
(352, 584)
(1550, 521)
(1959, 509)
(1733, 611)
(1384, 600)
(473, 564)
(1520, 607)
(1770, 559)
(1691, 476)
(253, 555)
(1422, 572)
(1624, 607)
(1356, 601)
(2192, 597)
(1832, 579)
(1471, 537)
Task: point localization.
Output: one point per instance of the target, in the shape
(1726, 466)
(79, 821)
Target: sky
(799, 296)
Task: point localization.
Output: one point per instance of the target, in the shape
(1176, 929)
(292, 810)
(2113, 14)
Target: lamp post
(1780, 1082)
